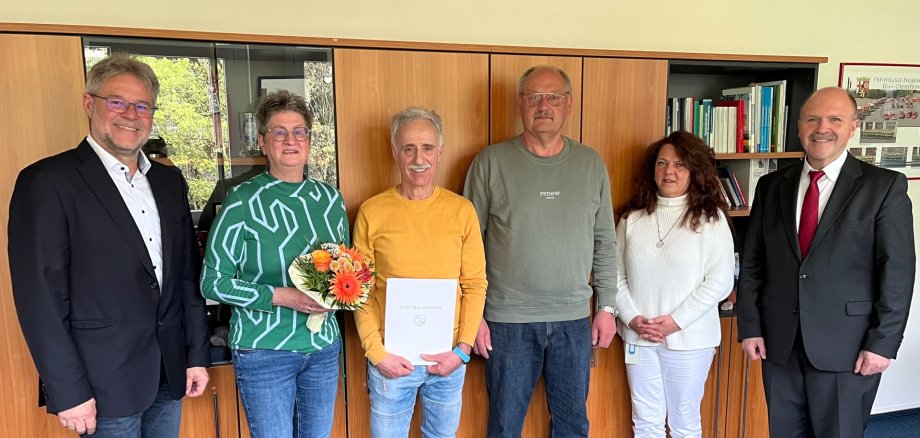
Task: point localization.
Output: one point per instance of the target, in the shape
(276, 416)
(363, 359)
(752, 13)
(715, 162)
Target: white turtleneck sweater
(685, 278)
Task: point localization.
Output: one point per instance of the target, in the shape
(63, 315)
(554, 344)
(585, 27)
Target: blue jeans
(393, 401)
(272, 382)
(160, 420)
(521, 352)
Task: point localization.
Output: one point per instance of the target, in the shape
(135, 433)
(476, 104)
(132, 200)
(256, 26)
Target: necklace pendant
(660, 244)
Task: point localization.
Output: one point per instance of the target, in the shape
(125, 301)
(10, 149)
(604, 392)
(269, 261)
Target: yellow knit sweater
(438, 237)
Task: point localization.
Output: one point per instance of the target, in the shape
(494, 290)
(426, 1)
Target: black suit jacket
(95, 318)
(852, 291)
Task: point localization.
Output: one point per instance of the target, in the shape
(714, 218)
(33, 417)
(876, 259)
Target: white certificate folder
(419, 317)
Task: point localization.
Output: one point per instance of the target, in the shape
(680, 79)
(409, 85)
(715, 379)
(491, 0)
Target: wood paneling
(756, 424)
(623, 111)
(214, 413)
(371, 86)
(41, 87)
(624, 105)
(505, 72)
(712, 406)
(746, 409)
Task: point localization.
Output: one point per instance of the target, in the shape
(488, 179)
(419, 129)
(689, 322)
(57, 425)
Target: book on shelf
(779, 112)
(733, 187)
(737, 187)
(705, 131)
(667, 119)
(727, 188)
(689, 116)
(746, 96)
(722, 186)
(748, 172)
(737, 123)
(766, 118)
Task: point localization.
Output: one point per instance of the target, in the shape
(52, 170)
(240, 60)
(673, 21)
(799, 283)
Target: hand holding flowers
(335, 277)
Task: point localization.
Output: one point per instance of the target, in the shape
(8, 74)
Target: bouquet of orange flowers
(334, 276)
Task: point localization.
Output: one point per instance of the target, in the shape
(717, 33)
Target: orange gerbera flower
(353, 253)
(346, 287)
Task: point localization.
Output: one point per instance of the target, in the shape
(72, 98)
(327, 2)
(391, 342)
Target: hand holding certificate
(420, 317)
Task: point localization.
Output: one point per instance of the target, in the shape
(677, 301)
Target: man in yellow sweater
(419, 230)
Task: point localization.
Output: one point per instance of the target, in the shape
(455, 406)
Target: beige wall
(842, 30)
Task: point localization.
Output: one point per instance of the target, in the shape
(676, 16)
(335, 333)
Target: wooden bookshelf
(755, 156)
(739, 211)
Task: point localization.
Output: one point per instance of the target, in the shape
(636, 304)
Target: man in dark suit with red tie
(826, 279)
(104, 268)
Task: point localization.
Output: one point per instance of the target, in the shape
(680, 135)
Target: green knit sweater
(263, 225)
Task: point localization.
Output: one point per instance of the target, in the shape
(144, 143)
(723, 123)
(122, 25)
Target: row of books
(745, 119)
(739, 179)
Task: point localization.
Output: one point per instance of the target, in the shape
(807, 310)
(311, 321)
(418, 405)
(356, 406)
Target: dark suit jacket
(852, 292)
(95, 318)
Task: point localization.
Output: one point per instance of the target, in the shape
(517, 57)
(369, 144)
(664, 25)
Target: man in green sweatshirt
(546, 214)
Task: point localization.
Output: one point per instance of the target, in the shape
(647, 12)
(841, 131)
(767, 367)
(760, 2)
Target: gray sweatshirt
(547, 224)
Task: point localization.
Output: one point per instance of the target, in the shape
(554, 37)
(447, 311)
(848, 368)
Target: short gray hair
(536, 68)
(279, 101)
(411, 114)
(118, 64)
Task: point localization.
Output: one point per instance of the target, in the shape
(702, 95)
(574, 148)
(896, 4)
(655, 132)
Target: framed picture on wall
(294, 84)
(888, 108)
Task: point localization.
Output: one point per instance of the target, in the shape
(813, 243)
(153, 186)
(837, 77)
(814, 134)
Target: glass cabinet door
(206, 109)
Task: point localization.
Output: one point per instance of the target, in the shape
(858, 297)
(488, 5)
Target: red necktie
(808, 223)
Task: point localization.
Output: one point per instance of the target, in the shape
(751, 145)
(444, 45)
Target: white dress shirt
(825, 185)
(136, 192)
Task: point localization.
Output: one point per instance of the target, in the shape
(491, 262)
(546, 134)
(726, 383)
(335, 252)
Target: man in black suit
(104, 268)
(827, 276)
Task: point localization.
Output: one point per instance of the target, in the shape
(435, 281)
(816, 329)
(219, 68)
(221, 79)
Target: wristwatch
(609, 309)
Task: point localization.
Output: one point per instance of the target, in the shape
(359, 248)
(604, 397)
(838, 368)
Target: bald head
(830, 93)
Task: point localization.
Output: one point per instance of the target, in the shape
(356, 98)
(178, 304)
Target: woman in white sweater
(676, 262)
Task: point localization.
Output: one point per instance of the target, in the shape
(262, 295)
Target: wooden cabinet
(505, 72)
(372, 86)
(214, 413)
(622, 110)
(619, 109)
(41, 114)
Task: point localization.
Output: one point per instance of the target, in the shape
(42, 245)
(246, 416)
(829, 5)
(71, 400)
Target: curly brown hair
(704, 195)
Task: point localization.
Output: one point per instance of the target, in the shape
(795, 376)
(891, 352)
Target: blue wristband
(465, 358)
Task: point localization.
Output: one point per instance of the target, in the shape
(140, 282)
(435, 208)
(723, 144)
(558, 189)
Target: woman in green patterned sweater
(263, 225)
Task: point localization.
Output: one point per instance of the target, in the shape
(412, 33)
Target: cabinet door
(715, 399)
(624, 105)
(41, 114)
(746, 409)
(622, 112)
(371, 86)
(754, 417)
(504, 74)
(214, 413)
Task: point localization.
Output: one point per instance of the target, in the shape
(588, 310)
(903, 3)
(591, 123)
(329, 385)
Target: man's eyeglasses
(554, 99)
(281, 134)
(119, 105)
